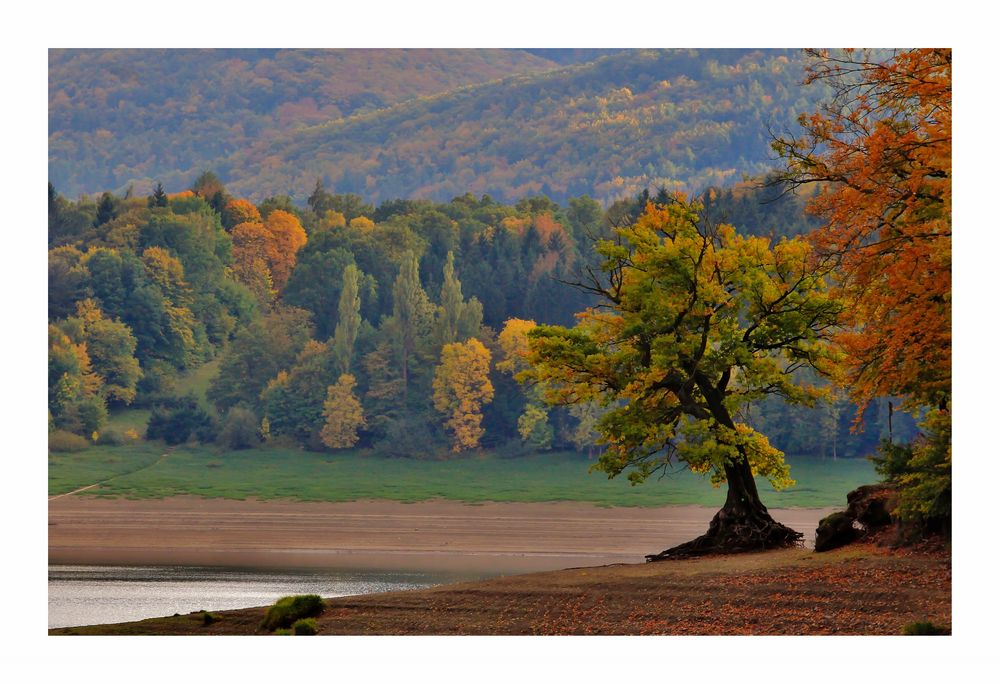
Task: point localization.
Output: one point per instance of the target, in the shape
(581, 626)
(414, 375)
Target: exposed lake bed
(116, 560)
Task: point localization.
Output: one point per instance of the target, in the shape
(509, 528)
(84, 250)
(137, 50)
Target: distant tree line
(337, 323)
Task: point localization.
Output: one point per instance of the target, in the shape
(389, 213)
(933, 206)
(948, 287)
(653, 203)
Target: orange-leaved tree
(880, 149)
(287, 237)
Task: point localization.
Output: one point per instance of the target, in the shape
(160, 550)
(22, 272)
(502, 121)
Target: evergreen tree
(158, 198)
(107, 209)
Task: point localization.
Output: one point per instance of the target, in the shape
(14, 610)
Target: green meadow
(150, 470)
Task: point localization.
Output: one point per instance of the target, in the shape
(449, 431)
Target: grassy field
(74, 470)
(272, 473)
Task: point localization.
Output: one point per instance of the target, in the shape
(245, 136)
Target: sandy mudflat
(433, 535)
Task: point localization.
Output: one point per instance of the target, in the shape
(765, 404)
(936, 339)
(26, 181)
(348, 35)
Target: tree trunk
(743, 523)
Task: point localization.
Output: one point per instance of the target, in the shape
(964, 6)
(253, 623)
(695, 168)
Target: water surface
(90, 595)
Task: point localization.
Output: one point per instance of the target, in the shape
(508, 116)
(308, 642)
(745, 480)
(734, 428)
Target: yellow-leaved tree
(344, 415)
(461, 388)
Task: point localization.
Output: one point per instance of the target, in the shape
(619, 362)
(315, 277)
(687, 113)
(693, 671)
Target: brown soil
(862, 590)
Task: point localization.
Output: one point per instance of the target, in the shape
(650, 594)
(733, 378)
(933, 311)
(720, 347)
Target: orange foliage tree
(239, 211)
(287, 237)
(264, 254)
(250, 260)
(880, 150)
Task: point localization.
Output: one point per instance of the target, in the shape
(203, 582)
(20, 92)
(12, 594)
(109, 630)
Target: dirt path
(77, 491)
(434, 535)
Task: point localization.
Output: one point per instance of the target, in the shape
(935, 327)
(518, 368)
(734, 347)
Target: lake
(88, 595)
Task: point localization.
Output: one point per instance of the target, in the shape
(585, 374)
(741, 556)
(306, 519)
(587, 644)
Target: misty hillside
(423, 124)
(122, 115)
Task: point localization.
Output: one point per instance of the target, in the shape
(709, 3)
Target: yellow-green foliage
(287, 610)
(63, 441)
(700, 322)
(344, 415)
(921, 472)
(461, 387)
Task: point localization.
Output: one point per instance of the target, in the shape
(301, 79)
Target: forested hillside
(338, 324)
(509, 124)
(121, 115)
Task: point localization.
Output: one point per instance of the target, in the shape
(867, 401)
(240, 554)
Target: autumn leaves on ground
(861, 590)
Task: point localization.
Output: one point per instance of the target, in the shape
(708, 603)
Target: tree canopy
(695, 321)
(880, 150)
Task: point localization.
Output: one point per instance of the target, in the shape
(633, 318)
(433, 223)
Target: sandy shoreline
(383, 535)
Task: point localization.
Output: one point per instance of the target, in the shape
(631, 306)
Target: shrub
(208, 618)
(177, 419)
(924, 629)
(64, 441)
(282, 632)
(287, 610)
(110, 438)
(305, 627)
(921, 472)
(158, 383)
(409, 437)
(239, 431)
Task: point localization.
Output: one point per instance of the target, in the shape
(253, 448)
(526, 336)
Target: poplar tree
(348, 319)
(411, 316)
(457, 319)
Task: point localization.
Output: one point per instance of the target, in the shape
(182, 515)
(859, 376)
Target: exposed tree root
(734, 534)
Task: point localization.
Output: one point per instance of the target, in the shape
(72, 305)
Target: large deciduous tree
(694, 322)
(111, 348)
(880, 150)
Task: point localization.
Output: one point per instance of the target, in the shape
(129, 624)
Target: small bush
(110, 438)
(921, 472)
(176, 420)
(282, 632)
(239, 431)
(64, 441)
(208, 618)
(305, 627)
(924, 629)
(287, 610)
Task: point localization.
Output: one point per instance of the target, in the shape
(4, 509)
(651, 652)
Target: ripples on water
(91, 595)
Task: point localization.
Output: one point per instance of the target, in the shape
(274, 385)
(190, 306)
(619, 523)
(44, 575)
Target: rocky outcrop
(870, 506)
(868, 511)
(835, 530)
